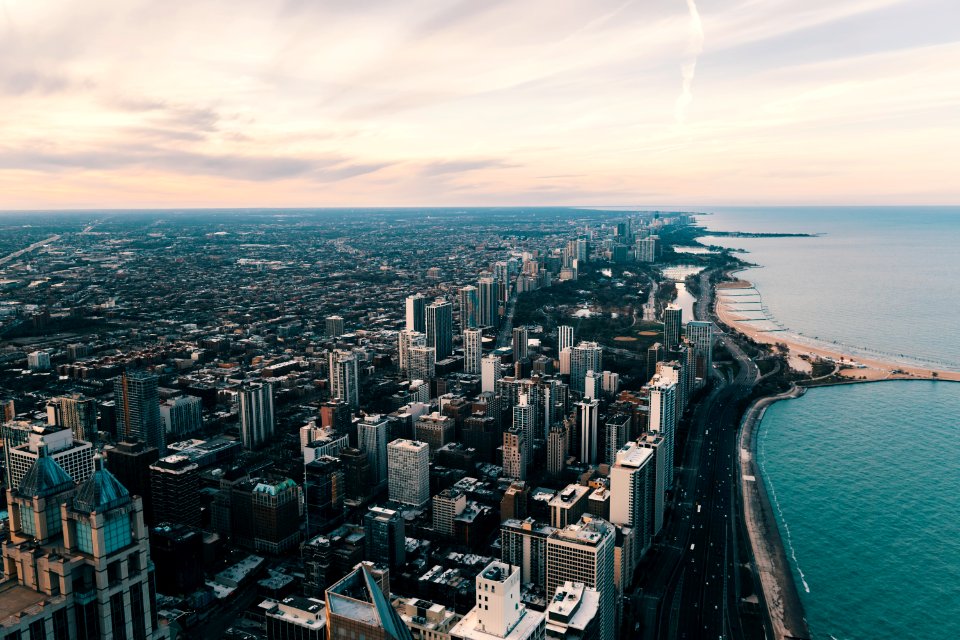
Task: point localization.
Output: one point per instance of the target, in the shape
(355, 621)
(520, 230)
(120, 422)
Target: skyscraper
(564, 337)
(523, 543)
(490, 372)
(74, 456)
(672, 325)
(345, 377)
(138, 409)
(586, 356)
(631, 494)
(469, 307)
(663, 419)
(489, 301)
(182, 416)
(589, 418)
(256, 414)
(423, 363)
(514, 453)
(75, 412)
(408, 471)
(524, 418)
(372, 435)
(472, 350)
(701, 334)
(654, 356)
(654, 442)
(384, 536)
(499, 613)
(416, 315)
(323, 493)
(520, 341)
(557, 446)
(584, 552)
(175, 490)
(440, 328)
(406, 340)
(334, 326)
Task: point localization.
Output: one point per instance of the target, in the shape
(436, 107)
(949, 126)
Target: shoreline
(782, 603)
(872, 368)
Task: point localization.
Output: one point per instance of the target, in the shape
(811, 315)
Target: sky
(262, 103)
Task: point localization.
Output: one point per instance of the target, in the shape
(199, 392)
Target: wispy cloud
(689, 68)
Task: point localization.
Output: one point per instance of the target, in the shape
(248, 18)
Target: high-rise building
(574, 613)
(92, 575)
(521, 338)
(373, 432)
(406, 340)
(616, 432)
(38, 361)
(672, 326)
(564, 337)
(472, 350)
(440, 328)
(515, 453)
(654, 442)
(491, 370)
(524, 419)
(416, 313)
(182, 416)
(663, 420)
(499, 613)
(447, 505)
(589, 421)
(384, 536)
(469, 307)
(359, 607)
(568, 505)
(256, 414)
(323, 494)
(586, 356)
(357, 474)
(558, 444)
(138, 409)
(584, 552)
(591, 385)
(489, 292)
(408, 471)
(436, 429)
(654, 357)
(75, 412)
(74, 456)
(175, 490)
(700, 334)
(130, 463)
(334, 326)
(523, 543)
(295, 618)
(611, 382)
(265, 514)
(631, 490)
(423, 363)
(345, 377)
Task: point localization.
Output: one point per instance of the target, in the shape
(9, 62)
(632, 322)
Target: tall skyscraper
(631, 494)
(469, 308)
(323, 493)
(175, 490)
(584, 553)
(345, 377)
(256, 414)
(489, 301)
(617, 432)
(564, 337)
(372, 433)
(520, 341)
(592, 383)
(138, 409)
(523, 543)
(499, 613)
(406, 340)
(514, 453)
(663, 419)
(654, 442)
(440, 328)
(654, 357)
(557, 447)
(490, 372)
(700, 334)
(182, 416)
(423, 363)
(97, 576)
(589, 418)
(586, 356)
(524, 418)
(75, 412)
(416, 313)
(472, 350)
(672, 326)
(384, 537)
(334, 326)
(408, 471)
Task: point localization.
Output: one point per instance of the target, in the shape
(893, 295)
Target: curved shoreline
(781, 599)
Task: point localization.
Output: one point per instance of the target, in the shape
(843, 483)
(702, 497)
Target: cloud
(689, 68)
(462, 166)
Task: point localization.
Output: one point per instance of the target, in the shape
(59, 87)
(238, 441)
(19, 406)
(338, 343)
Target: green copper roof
(101, 492)
(45, 478)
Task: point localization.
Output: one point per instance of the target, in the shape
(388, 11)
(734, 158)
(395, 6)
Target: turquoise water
(867, 481)
(866, 477)
(879, 281)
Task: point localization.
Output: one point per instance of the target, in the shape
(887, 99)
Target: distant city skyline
(426, 103)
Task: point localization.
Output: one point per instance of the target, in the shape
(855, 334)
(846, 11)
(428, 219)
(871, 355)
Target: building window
(38, 630)
(27, 525)
(84, 537)
(117, 617)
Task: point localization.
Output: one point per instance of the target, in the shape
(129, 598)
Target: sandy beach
(870, 368)
(782, 600)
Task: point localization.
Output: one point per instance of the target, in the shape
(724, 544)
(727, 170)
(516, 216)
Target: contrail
(688, 69)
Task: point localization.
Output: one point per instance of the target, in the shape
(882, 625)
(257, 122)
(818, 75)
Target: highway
(691, 585)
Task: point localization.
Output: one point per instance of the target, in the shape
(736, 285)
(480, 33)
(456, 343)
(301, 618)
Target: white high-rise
(564, 337)
(416, 313)
(407, 339)
(472, 350)
(591, 385)
(631, 493)
(423, 363)
(490, 371)
(663, 419)
(655, 442)
(345, 377)
(256, 414)
(586, 356)
(584, 553)
(408, 471)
